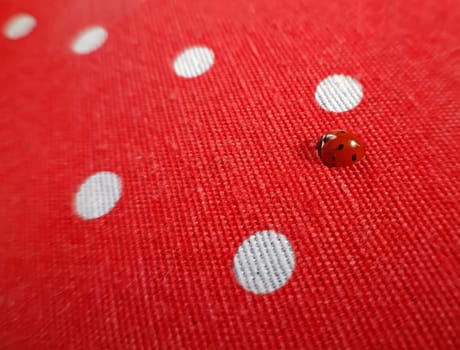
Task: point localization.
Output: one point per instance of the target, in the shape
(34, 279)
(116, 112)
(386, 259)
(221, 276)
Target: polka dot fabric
(161, 188)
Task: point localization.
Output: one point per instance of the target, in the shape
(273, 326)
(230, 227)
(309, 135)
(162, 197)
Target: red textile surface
(206, 162)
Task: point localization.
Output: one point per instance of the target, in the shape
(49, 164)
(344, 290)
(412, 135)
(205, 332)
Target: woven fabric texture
(161, 188)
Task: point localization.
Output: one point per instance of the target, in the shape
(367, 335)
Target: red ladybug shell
(338, 148)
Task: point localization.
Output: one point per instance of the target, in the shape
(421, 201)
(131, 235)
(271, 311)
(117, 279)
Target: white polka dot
(193, 62)
(264, 262)
(19, 26)
(98, 195)
(339, 93)
(89, 40)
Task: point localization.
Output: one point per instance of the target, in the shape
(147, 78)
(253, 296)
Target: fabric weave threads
(202, 164)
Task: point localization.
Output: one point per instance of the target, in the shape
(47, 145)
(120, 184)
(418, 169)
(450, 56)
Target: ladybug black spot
(340, 147)
(353, 157)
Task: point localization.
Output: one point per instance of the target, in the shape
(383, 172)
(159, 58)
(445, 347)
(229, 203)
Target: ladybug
(338, 148)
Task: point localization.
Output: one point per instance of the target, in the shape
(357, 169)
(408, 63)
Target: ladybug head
(323, 140)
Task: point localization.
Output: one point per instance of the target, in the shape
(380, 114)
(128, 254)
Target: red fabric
(207, 162)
